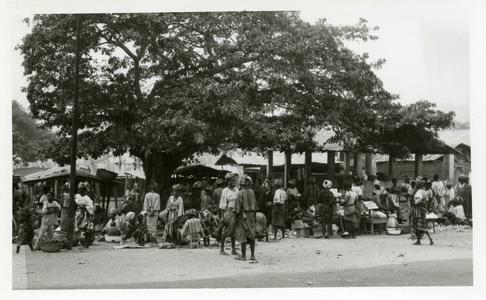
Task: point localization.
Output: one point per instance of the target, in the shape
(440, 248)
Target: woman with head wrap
(419, 212)
(151, 207)
(84, 216)
(111, 227)
(227, 211)
(326, 204)
(133, 235)
(245, 210)
(278, 210)
(175, 209)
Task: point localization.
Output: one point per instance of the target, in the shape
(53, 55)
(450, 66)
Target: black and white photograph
(322, 146)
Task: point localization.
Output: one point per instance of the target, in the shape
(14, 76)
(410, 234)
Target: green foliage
(165, 86)
(28, 138)
(415, 131)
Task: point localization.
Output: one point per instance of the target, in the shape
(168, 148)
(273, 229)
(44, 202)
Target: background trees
(166, 86)
(28, 139)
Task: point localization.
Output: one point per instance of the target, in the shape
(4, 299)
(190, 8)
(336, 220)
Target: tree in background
(167, 86)
(412, 129)
(28, 138)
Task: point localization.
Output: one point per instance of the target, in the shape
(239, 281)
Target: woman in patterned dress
(419, 212)
(175, 209)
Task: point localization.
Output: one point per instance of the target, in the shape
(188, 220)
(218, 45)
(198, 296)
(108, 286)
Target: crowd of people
(234, 209)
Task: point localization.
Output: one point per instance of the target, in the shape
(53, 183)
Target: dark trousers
(350, 228)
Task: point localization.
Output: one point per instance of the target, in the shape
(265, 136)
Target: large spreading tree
(165, 86)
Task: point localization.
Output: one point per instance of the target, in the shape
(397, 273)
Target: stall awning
(57, 172)
(199, 171)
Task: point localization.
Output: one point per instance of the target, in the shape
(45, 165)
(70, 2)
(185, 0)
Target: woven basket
(51, 246)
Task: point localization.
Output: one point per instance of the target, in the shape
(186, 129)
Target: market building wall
(407, 168)
(430, 168)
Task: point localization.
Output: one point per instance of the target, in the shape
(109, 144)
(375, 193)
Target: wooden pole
(331, 164)
(74, 138)
(307, 168)
(368, 165)
(269, 163)
(347, 160)
(287, 164)
(391, 159)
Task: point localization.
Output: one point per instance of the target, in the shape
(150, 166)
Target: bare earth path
(378, 260)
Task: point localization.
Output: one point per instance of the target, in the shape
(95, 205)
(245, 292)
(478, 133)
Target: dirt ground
(101, 266)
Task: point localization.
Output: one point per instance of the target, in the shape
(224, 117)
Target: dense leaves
(28, 139)
(166, 86)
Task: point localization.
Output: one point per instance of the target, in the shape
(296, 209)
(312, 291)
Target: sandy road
(102, 267)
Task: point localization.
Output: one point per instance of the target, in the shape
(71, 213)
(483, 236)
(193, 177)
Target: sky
(425, 45)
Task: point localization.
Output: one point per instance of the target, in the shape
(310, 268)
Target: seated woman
(134, 234)
(192, 228)
(111, 229)
(455, 215)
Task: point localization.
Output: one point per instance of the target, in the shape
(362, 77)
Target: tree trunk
(158, 168)
(419, 167)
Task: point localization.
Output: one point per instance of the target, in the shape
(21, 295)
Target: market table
(373, 222)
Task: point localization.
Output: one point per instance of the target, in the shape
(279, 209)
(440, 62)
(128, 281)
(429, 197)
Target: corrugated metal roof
(429, 157)
(57, 172)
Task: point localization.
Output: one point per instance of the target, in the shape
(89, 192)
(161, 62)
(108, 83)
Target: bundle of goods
(166, 246)
(112, 238)
(392, 225)
(52, 246)
(457, 228)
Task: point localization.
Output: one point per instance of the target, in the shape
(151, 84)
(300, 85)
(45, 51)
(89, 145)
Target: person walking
(326, 204)
(50, 210)
(245, 217)
(419, 212)
(151, 208)
(83, 223)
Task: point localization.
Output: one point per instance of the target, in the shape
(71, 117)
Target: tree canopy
(28, 139)
(165, 86)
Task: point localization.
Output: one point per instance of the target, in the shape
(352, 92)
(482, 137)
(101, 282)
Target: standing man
(278, 210)
(245, 210)
(464, 195)
(227, 209)
(151, 208)
(325, 208)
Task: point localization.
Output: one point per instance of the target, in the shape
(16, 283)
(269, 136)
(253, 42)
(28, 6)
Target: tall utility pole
(74, 139)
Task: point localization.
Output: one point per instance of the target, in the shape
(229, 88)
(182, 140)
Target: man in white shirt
(227, 208)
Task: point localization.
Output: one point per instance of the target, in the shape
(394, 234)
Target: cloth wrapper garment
(245, 218)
